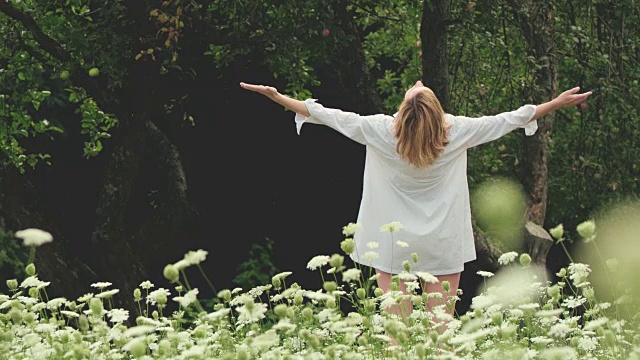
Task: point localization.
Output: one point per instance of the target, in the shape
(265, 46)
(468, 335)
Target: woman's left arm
(567, 98)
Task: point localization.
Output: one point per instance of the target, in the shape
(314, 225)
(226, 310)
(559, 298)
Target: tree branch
(48, 44)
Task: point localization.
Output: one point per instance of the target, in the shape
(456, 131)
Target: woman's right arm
(359, 128)
(272, 93)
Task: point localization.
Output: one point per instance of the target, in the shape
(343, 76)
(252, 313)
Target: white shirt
(432, 203)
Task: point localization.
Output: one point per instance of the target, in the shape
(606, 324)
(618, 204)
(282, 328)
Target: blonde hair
(420, 129)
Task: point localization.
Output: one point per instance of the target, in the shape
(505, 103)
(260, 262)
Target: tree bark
(352, 70)
(435, 51)
(535, 20)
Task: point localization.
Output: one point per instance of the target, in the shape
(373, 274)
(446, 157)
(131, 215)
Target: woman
(415, 174)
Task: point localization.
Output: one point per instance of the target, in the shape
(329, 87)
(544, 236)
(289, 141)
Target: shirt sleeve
(354, 126)
(484, 129)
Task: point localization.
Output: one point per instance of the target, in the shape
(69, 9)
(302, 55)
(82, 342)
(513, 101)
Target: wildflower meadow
(521, 312)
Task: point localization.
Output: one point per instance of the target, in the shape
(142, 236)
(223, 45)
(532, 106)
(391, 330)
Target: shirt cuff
(301, 119)
(531, 126)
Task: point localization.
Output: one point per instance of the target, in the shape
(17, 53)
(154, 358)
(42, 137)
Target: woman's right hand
(268, 91)
(272, 93)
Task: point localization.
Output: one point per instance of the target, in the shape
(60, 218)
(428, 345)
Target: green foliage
(13, 256)
(257, 269)
(30, 77)
(95, 123)
(287, 35)
(595, 148)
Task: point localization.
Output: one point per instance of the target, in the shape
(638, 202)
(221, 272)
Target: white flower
(101, 285)
(351, 275)
(529, 306)
(402, 244)
(405, 276)
(195, 257)
(32, 281)
(578, 273)
(549, 313)
(152, 298)
(426, 277)
(541, 340)
(217, 314)
(391, 227)
(613, 264)
(181, 264)
(196, 351)
(350, 229)
(266, 340)
(118, 315)
(38, 307)
(56, 303)
(372, 244)
(587, 230)
(594, 324)
(34, 237)
(86, 297)
(189, 298)
(146, 285)
(317, 296)
(485, 274)
(411, 286)
(389, 299)
(46, 328)
(370, 255)
(559, 330)
(587, 344)
(252, 313)
(139, 330)
(471, 337)
(107, 294)
(285, 326)
(507, 258)
(317, 262)
(281, 275)
(259, 290)
(70, 314)
(564, 353)
(482, 301)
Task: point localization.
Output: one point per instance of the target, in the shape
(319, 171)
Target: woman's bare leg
(403, 309)
(454, 283)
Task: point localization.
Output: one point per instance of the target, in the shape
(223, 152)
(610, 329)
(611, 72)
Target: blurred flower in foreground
(511, 286)
(613, 254)
(34, 237)
(499, 208)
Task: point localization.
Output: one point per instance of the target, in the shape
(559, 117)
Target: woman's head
(420, 127)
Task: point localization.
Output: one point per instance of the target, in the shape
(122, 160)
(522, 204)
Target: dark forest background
(159, 151)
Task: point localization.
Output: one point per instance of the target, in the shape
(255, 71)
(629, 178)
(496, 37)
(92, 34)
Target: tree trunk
(535, 20)
(112, 253)
(352, 70)
(435, 51)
